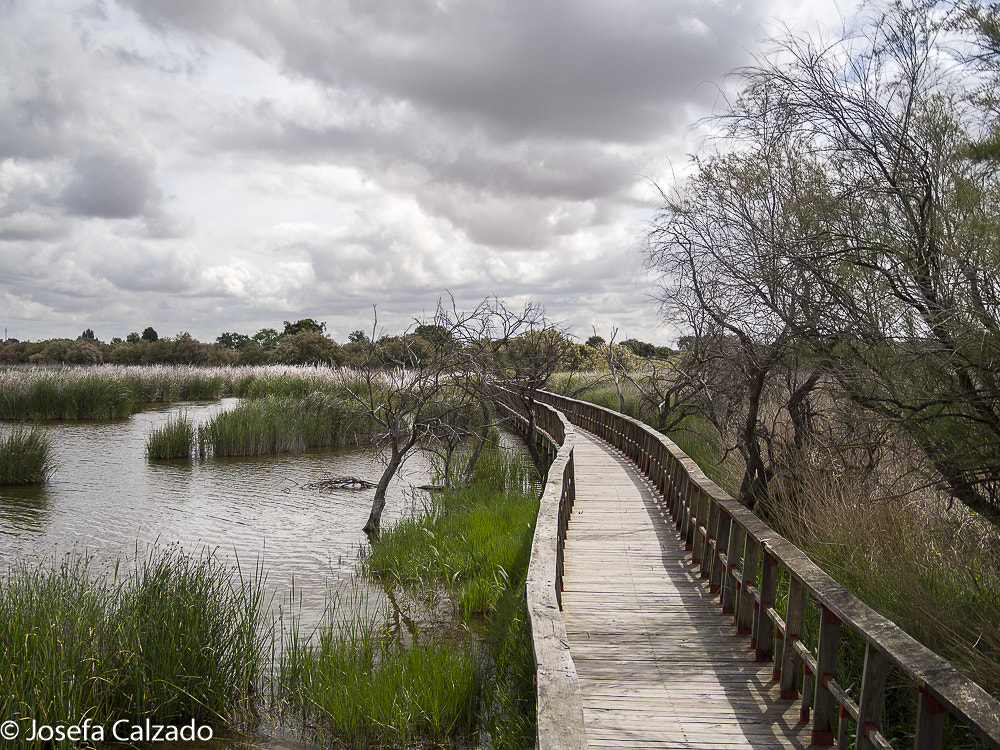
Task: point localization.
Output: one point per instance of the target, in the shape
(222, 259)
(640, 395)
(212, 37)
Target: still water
(106, 500)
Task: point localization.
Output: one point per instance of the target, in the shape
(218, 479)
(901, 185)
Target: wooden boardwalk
(659, 665)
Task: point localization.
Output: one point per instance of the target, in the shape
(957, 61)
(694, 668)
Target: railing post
(824, 704)
(697, 505)
(717, 579)
(708, 556)
(930, 722)
(794, 619)
(762, 640)
(872, 702)
(734, 548)
(746, 603)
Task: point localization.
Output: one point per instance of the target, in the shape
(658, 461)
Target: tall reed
(114, 391)
(168, 638)
(176, 439)
(358, 688)
(935, 574)
(25, 456)
(275, 424)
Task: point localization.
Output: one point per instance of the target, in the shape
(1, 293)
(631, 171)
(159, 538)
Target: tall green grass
(359, 688)
(115, 391)
(50, 395)
(359, 685)
(25, 456)
(278, 424)
(102, 392)
(169, 637)
(176, 439)
(475, 543)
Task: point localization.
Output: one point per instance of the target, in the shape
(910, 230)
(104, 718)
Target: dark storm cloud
(110, 186)
(605, 70)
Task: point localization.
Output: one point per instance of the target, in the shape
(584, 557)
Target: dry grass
(932, 569)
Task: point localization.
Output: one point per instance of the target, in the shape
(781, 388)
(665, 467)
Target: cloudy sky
(225, 165)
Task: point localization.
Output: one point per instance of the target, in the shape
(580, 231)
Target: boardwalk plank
(659, 665)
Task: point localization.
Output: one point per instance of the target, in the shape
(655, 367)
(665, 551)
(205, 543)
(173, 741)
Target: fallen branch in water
(341, 483)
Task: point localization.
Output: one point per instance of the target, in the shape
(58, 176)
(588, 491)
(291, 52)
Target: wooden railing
(558, 703)
(749, 565)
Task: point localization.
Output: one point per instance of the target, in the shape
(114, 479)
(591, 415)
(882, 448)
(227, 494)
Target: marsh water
(107, 501)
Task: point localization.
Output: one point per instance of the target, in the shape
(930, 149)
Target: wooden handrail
(559, 705)
(744, 560)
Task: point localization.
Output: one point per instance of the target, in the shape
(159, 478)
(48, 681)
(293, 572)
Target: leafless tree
(417, 390)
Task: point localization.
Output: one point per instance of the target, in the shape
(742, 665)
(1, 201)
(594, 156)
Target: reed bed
(932, 571)
(176, 439)
(281, 424)
(169, 638)
(25, 456)
(116, 391)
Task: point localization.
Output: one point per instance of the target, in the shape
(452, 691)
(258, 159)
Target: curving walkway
(658, 663)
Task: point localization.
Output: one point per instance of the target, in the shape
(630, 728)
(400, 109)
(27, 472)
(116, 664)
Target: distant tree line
(300, 342)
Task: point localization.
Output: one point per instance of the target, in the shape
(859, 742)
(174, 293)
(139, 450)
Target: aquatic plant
(168, 638)
(357, 688)
(115, 391)
(475, 543)
(25, 456)
(176, 439)
(277, 424)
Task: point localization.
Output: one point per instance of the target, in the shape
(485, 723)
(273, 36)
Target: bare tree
(725, 245)
(519, 350)
(417, 389)
(910, 268)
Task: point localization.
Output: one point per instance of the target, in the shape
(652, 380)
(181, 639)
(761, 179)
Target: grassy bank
(363, 686)
(24, 457)
(168, 638)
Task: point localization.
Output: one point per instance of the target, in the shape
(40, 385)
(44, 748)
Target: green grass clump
(359, 690)
(475, 544)
(470, 544)
(24, 457)
(284, 384)
(276, 424)
(169, 638)
(176, 439)
(58, 395)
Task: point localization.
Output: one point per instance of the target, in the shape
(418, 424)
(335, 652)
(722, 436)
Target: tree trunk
(753, 489)
(378, 503)
(481, 438)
